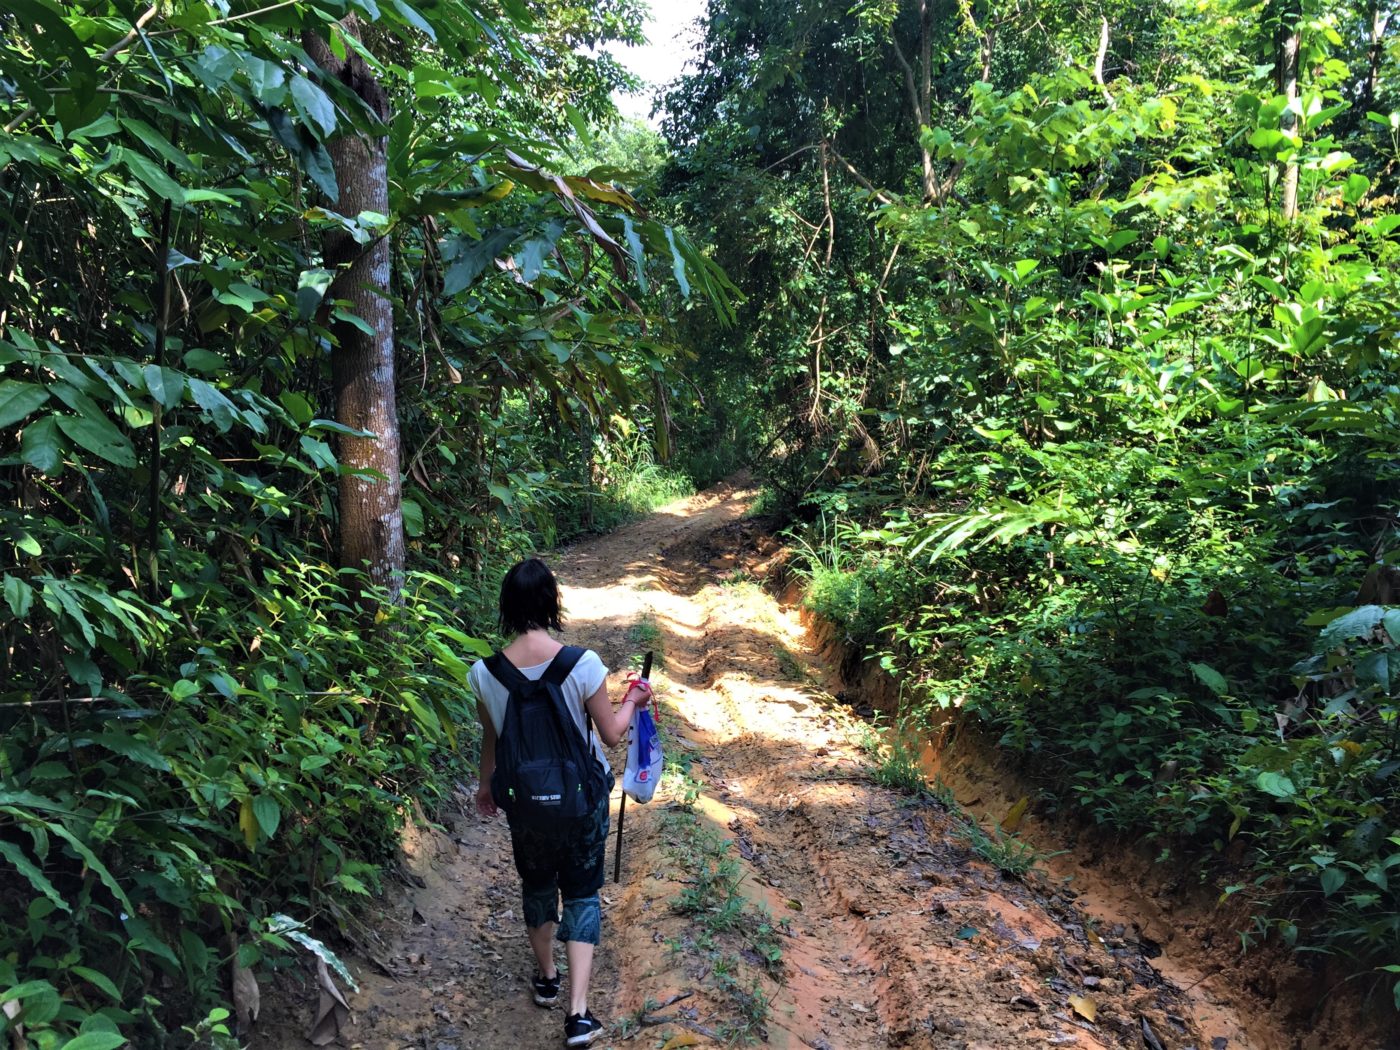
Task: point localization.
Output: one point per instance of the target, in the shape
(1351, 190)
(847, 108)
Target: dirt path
(771, 892)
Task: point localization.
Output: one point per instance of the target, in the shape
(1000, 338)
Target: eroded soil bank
(771, 893)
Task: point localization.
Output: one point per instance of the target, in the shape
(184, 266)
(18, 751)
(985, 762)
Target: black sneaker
(546, 989)
(581, 1030)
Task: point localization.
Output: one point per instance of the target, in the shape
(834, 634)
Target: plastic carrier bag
(644, 758)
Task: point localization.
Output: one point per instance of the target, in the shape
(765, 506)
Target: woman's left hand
(639, 693)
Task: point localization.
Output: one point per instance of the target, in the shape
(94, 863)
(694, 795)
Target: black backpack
(546, 773)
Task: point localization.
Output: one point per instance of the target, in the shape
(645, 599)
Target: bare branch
(106, 56)
(1098, 64)
(909, 83)
(878, 194)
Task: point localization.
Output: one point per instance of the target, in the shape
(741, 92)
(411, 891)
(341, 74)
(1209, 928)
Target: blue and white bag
(644, 758)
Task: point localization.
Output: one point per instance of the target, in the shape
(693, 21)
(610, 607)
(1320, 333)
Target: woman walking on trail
(554, 859)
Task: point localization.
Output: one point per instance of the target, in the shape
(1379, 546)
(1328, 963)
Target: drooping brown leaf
(247, 998)
(332, 1011)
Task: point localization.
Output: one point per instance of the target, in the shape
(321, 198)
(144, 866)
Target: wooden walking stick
(622, 805)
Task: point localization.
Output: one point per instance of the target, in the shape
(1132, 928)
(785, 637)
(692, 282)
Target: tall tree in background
(362, 364)
(1287, 40)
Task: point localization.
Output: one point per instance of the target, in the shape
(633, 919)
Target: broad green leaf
(634, 245)
(157, 143)
(1275, 784)
(19, 596)
(677, 264)
(166, 386)
(1358, 623)
(36, 878)
(41, 446)
(412, 518)
(318, 452)
(317, 164)
(472, 258)
(100, 981)
(95, 1041)
(268, 814)
(413, 18)
(212, 401)
(354, 320)
(1332, 880)
(99, 436)
(152, 176)
(40, 1000)
(1211, 678)
(94, 865)
(267, 79)
(131, 748)
(314, 105)
(312, 286)
(1355, 188)
(297, 407)
(1391, 619)
(200, 360)
(18, 400)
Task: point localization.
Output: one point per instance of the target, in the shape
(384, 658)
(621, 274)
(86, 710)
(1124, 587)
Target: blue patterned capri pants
(568, 864)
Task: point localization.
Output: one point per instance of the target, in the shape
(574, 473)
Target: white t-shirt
(583, 681)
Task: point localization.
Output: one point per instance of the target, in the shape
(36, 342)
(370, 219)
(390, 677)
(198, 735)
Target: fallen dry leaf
(684, 1039)
(1084, 1007)
(1017, 813)
(332, 1012)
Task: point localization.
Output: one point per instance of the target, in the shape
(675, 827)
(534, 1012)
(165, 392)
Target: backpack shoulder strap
(562, 665)
(505, 672)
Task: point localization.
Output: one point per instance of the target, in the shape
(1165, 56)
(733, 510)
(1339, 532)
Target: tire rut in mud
(901, 934)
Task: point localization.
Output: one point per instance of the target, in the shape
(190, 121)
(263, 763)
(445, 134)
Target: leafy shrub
(272, 771)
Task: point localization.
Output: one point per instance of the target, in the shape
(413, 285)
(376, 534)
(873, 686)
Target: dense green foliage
(1097, 439)
(206, 725)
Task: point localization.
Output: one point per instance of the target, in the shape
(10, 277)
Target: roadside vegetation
(732, 942)
(1071, 340)
(302, 342)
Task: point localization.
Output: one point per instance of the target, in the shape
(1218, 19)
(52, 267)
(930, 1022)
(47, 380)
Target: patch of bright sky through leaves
(671, 37)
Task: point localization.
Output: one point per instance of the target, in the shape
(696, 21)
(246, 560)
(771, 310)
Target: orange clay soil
(893, 932)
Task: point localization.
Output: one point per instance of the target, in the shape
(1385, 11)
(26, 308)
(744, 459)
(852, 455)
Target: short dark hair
(530, 599)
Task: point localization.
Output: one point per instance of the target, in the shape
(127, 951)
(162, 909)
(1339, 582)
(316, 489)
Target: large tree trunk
(1286, 44)
(1380, 20)
(362, 365)
(919, 87)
